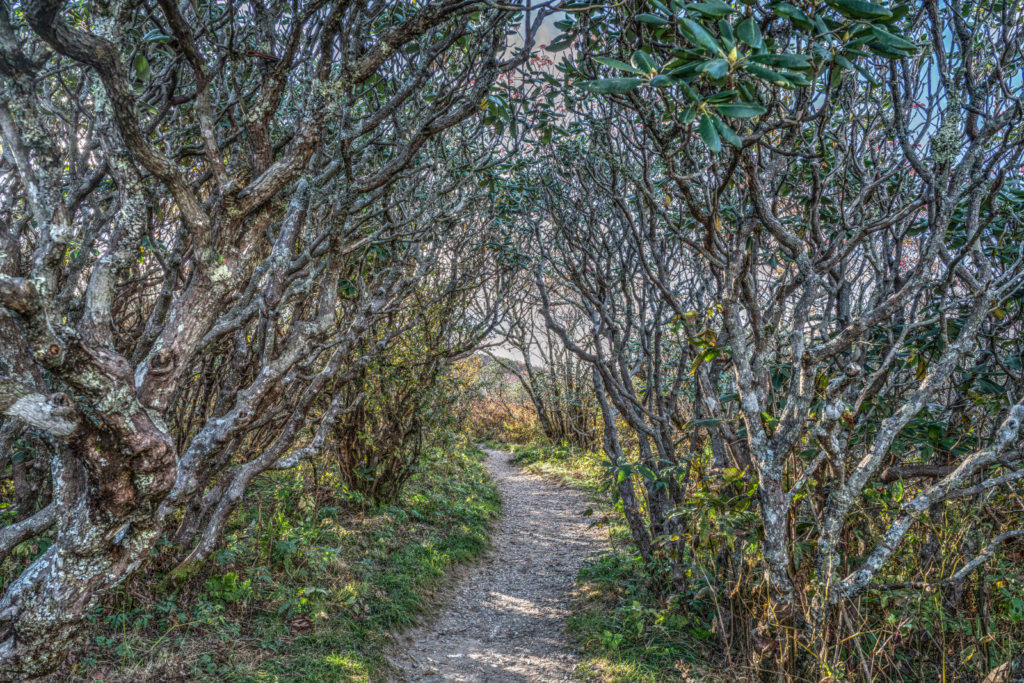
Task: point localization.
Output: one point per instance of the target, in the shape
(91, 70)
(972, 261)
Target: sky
(546, 33)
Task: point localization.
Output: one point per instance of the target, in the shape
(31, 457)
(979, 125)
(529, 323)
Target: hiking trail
(503, 619)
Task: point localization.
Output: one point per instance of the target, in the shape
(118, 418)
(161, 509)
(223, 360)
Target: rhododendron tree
(209, 214)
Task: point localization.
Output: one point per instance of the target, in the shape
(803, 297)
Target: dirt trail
(503, 619)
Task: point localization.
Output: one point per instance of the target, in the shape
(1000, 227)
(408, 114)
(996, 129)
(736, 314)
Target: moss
(221, 272)
(947, 141)
(179, 576)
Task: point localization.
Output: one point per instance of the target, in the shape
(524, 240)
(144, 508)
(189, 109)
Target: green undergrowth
(309, 584)
(627, 633)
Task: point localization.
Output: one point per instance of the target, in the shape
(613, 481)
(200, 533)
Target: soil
(503, 620)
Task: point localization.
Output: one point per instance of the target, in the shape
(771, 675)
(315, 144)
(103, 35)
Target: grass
(627, 633)
(307, 588)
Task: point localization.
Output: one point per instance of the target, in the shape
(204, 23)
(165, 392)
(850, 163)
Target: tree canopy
(768, 255)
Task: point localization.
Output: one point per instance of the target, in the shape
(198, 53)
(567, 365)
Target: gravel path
(503, 619)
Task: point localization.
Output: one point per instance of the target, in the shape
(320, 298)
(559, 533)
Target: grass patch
(307, 588)
(574, 466)
(627, 633)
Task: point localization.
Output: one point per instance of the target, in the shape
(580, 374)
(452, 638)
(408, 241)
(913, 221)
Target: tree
(802, 218)
(407, 400)
(555, 380)
(206, 210)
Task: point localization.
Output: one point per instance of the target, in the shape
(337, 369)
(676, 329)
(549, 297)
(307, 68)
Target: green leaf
(651, 19)
(616, 64)
(728, 37)
(559, 45)
(156, 36)
(767, 75)
(835, 78)
(843, 62)
(611, 86)
(713, 8)
(647, 473)
(898, 12)
(860, 9)
(673, 63)
(690, 93)
(347, 289)
(688, 115)
(783, 61)
(891, 40)
(723, 97)
(988, 387)
(644, 62)
(141, 65)
(856, 53)
(727, 133)
(741, 110)
(749, 32)
(864, 72)
(732, 474)
(710, 352)
(794, 14)
(663, 81)
(710, 137)
(702, 37)
(883, 50)
(796, 78)
(716, 68)
(686, 70)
